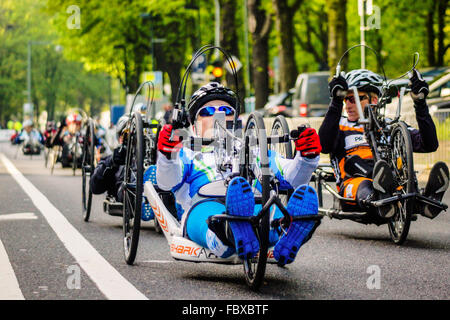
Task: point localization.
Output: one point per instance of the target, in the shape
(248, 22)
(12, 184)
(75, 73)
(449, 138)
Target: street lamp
(58, 48)
(364, 7)
(247, 69)
(217, 27)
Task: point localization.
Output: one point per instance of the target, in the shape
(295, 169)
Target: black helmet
(209, 92)
(364, 80)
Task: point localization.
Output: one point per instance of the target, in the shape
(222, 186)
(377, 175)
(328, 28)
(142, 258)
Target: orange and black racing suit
(342, 138)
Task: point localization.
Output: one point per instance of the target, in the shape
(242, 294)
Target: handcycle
(112, 205)
(237, 151)
(389, 140)
(75, 149)
(69, 152)
(48, 134)
(29, 147)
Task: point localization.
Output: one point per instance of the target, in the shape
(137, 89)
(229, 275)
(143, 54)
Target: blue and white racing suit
(189, 171)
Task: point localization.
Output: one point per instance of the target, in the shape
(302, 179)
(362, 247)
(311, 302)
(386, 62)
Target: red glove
(165, 146)
(308, 143)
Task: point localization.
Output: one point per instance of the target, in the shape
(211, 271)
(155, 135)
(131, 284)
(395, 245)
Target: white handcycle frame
(182, 248)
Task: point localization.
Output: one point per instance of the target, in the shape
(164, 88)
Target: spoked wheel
(257, 167)
(133, 188)
(280, 128)
(87, 168)
(403, 169)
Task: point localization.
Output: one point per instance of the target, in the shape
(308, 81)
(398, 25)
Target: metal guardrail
(441, 120)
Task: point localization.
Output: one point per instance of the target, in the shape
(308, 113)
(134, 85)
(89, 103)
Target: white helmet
(364, 80)
(28, 123)
(121, 124)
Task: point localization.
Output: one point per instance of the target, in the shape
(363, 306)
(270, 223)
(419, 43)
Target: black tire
(401, 162)
(87, 168)
(255, 268)
(133, 188)
(280, 128)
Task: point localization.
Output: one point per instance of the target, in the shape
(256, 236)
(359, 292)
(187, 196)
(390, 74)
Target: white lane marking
(9, 286)
(157, 261)
(18, 216)
(108, 280)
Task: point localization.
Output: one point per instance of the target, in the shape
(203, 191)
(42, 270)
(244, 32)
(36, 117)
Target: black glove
(419, 87)
(337, 83)
(119, 154)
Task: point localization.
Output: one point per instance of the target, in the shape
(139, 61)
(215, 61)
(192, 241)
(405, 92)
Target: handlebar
(294, 134)
(340, 93)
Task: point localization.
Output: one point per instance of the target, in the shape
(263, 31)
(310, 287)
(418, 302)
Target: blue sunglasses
(208, 111)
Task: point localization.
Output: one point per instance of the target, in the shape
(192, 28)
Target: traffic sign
(199, 64)
(236, 62)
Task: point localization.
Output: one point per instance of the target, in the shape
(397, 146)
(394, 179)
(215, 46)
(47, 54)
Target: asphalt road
(343, 260)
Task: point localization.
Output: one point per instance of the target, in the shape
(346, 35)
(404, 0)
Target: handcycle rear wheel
(256, 155)
(87, 168)
(133, 188)
(403, 169)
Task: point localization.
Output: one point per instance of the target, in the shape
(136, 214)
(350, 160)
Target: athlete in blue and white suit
(184, 172)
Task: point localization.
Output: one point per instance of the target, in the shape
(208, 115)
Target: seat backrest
(167, 197)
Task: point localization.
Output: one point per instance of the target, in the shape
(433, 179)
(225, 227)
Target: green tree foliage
(122, 39)
(57, 83)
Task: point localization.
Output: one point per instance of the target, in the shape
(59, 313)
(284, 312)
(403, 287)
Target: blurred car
(432, 73)
(437, 99)
(280, 104)
(428, 74)
(311, 97)
(440, 110)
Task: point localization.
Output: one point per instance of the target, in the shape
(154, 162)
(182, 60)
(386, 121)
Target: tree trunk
(285, 28)
(229, 42)
(442, 7)
(319, 30)
(337, 33)
(259, 27)
(173, 69)
(430, 39)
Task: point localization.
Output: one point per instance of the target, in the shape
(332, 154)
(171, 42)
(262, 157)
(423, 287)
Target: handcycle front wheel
(87, 168)
(403, 169)
(280, 128)
(257, 167)
(133, 188)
